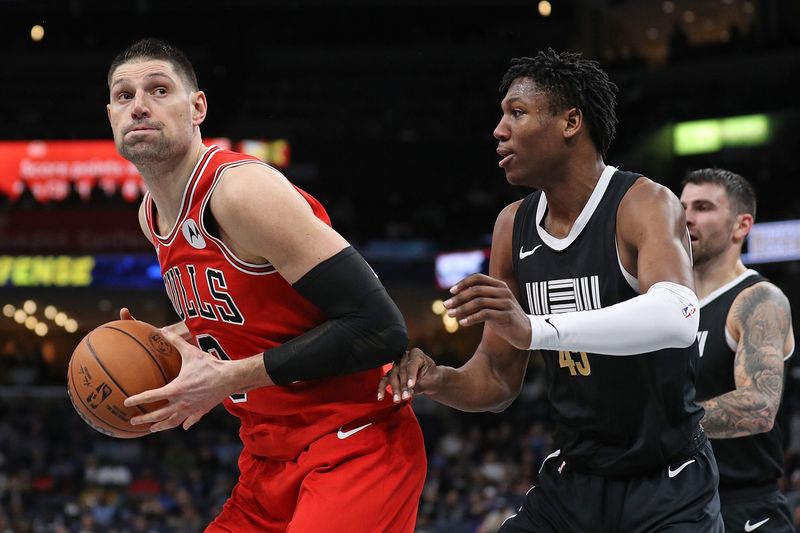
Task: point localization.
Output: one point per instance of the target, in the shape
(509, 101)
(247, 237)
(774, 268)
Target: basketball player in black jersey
(594, 271)
(745, 336)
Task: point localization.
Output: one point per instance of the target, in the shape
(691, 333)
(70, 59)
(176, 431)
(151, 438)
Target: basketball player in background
(745, 336)
(291, 325)
(593, 270)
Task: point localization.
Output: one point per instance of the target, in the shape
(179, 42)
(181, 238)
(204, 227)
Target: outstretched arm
(762, 318)
(651, 233)
(262, 217)
(493, 376)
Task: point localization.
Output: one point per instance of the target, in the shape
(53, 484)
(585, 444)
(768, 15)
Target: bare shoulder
(649, 207)
(505, 219)
(647, 194)
(762, 300)
(245, 184)
(143, 220)
(500, 260)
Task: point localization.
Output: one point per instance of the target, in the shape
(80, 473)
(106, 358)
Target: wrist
(251, 373)
(544, 334)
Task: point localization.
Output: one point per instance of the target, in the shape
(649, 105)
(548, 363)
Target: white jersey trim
(583, 218)
(257, 269)
(715, 294)
(630, 278)
(186, 199)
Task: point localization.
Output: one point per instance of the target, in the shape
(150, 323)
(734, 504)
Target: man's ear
(574, 122)
(199, 107)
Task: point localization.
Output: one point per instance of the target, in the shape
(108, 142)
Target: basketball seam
(137, 341)
(99, 362)
(87, 412)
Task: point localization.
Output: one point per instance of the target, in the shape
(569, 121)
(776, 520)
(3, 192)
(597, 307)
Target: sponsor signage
(53, 170)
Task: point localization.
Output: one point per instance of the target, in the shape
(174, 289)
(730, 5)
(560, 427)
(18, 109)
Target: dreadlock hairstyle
(569, 81)
(148, 49)
(739, 191)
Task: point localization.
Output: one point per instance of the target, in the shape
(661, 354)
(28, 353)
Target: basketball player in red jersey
(291, 325)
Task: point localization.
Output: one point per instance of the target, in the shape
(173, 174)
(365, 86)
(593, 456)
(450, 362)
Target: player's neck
(568, 195)
(167, 181)
(716, 272)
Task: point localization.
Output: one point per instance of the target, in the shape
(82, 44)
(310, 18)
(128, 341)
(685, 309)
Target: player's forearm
(738, 413)
(461, 389)
(664, 317)
(249, 373)
(364, 328)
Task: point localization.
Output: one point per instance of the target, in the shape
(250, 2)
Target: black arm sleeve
(364, 328)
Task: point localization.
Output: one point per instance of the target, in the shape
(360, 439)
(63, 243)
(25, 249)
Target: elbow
(502, 406)
(508, 392)
(396, 341)
(685, 333)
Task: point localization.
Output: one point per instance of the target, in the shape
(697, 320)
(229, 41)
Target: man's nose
(140, 109)
(501, 132)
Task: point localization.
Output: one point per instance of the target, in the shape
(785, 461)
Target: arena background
(382, 109)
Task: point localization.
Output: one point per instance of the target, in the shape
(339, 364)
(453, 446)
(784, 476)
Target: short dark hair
(738, 189)
(570, 81)
(150, 48)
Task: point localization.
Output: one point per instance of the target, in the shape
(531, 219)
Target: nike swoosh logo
(344, 434)
(672, 473)
(750, 527)
(523, 254)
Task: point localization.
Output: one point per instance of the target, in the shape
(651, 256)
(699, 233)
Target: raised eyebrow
(151, 75)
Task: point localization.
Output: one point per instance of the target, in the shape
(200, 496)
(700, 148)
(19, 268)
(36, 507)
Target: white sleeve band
(666, 316)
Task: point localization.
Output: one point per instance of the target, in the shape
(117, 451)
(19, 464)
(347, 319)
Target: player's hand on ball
(415, 373)
(480, 298)
(179, 328)
(204, 381)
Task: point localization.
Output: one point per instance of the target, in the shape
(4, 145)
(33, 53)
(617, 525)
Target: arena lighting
(40, 329)
(29, 307)
(452, 267)
(545, 8)
(712, 135)
(37, 33)
(773, 242)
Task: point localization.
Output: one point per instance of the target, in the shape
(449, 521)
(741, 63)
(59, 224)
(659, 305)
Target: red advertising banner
(50, 169)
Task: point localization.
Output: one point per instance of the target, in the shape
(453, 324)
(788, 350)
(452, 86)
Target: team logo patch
(192, 234)
(688, 311)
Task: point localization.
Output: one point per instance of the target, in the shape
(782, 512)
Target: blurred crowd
(58, 475)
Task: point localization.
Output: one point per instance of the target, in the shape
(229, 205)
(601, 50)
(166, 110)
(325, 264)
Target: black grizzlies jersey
(745, 461)
(613, 415)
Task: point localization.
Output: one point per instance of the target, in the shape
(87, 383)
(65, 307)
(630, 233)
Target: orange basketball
(114, 361)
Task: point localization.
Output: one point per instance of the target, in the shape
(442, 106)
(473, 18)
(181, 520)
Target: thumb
(178, 342)
(125, 314)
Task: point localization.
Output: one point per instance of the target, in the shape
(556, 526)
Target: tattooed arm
(761, 317)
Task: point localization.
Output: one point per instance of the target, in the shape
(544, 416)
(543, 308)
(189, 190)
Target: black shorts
(756, 510)
(681, 498)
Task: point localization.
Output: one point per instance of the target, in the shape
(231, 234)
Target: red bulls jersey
(237, 309)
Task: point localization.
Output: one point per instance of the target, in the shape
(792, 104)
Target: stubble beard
(142, 153)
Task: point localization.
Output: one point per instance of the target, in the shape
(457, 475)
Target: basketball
(112, 362)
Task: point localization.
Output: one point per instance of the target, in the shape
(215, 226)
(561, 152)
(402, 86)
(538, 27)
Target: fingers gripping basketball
(114, 361)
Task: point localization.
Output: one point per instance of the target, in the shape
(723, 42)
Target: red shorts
(362, 479)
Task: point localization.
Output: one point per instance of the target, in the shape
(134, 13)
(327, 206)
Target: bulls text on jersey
(215, 304)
